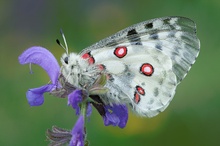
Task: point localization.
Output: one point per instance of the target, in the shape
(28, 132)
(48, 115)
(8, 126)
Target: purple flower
(78, 133)
(45, 59)
(116, 115)
(75, 98)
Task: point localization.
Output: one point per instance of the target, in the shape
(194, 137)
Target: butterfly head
(69, 59)
(70, 67)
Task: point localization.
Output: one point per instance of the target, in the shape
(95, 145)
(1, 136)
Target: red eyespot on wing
(147, 69)
(137, 97)
(101, 67)
(120, 52)
(86, 56)
(140, 90)
(89, 57)
(91, 60)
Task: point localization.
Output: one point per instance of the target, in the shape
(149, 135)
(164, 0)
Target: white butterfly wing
(146, 62)
(154, 90)
(174, 36)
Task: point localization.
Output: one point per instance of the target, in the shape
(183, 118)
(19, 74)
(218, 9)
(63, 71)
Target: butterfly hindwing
(143, 78)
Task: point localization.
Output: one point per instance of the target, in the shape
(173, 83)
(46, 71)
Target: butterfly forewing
(174, 36)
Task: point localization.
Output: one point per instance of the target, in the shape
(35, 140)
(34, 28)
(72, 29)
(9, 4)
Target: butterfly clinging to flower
(142, 64)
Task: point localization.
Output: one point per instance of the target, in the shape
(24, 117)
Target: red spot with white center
(88, 57)
(137, 98)
(147, 69)
(140, 90)
(120, 52)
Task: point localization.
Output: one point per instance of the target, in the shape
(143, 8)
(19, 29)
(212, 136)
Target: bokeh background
(193, 117)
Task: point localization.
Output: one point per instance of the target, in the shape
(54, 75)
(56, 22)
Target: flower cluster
(116, 115)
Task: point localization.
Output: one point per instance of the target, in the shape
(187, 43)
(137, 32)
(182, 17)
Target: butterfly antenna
(64, 39)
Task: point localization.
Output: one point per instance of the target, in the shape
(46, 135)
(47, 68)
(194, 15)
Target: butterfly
(142, 64)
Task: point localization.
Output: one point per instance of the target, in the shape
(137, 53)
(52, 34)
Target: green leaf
(98, 90)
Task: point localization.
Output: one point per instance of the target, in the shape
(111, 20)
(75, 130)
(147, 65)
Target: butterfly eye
(66, 60)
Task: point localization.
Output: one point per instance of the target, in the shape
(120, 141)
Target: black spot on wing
(132, 32)
(154, 36)
(158, 46)
(133, 37)
(167, 21)
(149, 25)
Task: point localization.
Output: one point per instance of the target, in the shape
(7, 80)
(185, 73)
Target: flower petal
(89, 110)
(44, 58)
(116, 115)
(35, 96)
(74, 99)
(78, 133)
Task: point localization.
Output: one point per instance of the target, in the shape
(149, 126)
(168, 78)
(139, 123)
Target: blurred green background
(193, 117)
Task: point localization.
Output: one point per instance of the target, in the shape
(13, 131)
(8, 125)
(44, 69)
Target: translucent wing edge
(113, 39)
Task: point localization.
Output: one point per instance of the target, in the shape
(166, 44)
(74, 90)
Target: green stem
(83, 111)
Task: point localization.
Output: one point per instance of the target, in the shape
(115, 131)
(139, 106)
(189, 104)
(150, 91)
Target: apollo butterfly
(143, 63)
